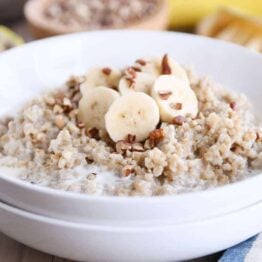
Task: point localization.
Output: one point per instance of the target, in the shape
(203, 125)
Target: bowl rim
(121, 199)
(80, 225)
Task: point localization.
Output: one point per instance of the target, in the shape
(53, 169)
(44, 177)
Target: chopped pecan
(93, 133)
(179, 120)
(131, 138)
(130, 82)
(67, 105)
(127, 170)
(164, 95)
(122, 146)
(176, 106)
(258, 136)
(166, 69)
(130, 71)
(136, 69)
(107, 71)
(141, 62)
(156, 136)
(233, 105)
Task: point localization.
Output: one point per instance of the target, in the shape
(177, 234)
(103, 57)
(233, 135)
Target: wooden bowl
(41, 27)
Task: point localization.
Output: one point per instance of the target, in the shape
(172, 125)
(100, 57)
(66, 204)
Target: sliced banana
(132, 114)
(101, 77)
(162, 66)
(142, 82)
(94, 105)
(170, 67)
(174, 98)
(150, 66)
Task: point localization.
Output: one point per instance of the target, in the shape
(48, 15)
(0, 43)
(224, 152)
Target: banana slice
(101, 77)
(170, 67)
(151, 66)
(174, 98)
(162, 66)
(134, 113)
(141, 82)
(94, 105)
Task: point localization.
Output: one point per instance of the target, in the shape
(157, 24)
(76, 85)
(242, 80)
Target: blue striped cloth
(248, 251)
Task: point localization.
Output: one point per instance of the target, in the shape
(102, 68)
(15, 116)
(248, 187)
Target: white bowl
(172, 242)
(28, 70)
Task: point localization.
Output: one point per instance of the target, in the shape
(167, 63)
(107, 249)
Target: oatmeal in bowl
(152, 128)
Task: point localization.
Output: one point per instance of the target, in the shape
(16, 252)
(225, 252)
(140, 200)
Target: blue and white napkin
(248, 251)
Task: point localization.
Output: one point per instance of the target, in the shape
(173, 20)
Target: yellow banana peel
(187, 13)
(7, 35)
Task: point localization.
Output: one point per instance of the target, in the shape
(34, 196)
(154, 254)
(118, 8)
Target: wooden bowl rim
(33, 13)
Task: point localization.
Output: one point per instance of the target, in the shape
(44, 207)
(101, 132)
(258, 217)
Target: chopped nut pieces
(179, 120)
(141, 62)
(233, 105)
(156, 136)
(166, 69)
(131, 138)
(127, 170)
(107, 71)
(136, 69)
(176, 106)
(131, 72)
(164, 95)
(92, 132)
(122, 146)
(130, 81)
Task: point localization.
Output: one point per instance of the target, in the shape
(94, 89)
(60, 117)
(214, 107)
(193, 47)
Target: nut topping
(127, 170)
(92, 132)
(130, 81)
(141, 62)
(136, 69)
(164, 95)
(166, 69)
(131, 138)
(179, 120)
(122, 146)
(131, 72)
(233, 105)
(156, 136)
(107, 71)
(176, 106)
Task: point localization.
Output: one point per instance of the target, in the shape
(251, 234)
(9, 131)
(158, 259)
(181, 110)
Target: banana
(174, 98)
(94, 105)
(134, 113)
(141, 82)
(161, 66)
(106, 76)
(188, 13)
(151, 66)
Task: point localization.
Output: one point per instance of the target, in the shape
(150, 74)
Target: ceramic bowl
(28, 70)
(166, 242)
